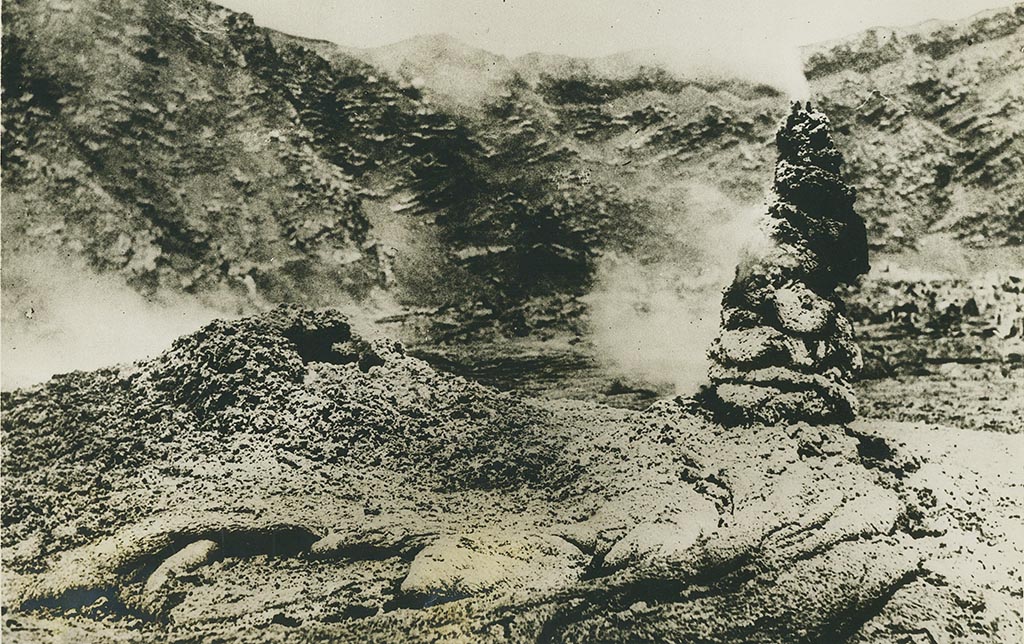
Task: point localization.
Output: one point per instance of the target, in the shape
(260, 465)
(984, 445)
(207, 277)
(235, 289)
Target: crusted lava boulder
(786, 349)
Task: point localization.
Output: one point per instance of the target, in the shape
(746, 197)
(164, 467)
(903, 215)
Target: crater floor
(278, 478)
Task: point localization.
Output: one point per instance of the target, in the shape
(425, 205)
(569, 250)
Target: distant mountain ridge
(936, 38)
(441, 62)
(934, 59)
(467, 75)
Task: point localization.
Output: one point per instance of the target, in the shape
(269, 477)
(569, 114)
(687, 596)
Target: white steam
(654, 320)
(60, 316)
(776, 63)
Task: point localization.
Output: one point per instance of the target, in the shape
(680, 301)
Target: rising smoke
(60, 316)
(653, 319)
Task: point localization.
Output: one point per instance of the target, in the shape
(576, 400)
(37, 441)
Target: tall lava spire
(786, 350)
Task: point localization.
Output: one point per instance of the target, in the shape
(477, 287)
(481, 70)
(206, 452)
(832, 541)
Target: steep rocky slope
(939, 101)
(187, 150)
(932, 120)
(277, 478)
(136, 136)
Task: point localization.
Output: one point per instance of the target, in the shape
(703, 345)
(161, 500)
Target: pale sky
(595, 27)
(749, 39)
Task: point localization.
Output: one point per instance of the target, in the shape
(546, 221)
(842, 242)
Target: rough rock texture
(931, 121)
(278, 478)
(264, 167)
(786, 350)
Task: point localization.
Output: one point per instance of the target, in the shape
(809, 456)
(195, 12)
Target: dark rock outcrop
(786, 348)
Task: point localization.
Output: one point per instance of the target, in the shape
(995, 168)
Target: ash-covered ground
(277, 478)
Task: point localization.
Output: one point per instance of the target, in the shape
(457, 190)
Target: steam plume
(653, 320)
(60, 316)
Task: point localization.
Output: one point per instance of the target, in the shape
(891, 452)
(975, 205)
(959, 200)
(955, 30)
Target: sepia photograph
(525, 321)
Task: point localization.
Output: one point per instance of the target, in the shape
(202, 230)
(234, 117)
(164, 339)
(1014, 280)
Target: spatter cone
(786, 350)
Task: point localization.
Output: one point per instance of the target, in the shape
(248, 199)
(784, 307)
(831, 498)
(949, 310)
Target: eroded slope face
(277, 477)
(182, 148)
(930, 120)
(137, 137)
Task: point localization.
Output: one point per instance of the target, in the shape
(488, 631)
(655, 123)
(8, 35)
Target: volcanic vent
(786, 350)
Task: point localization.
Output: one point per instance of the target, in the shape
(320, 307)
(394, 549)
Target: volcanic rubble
(277, 477)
